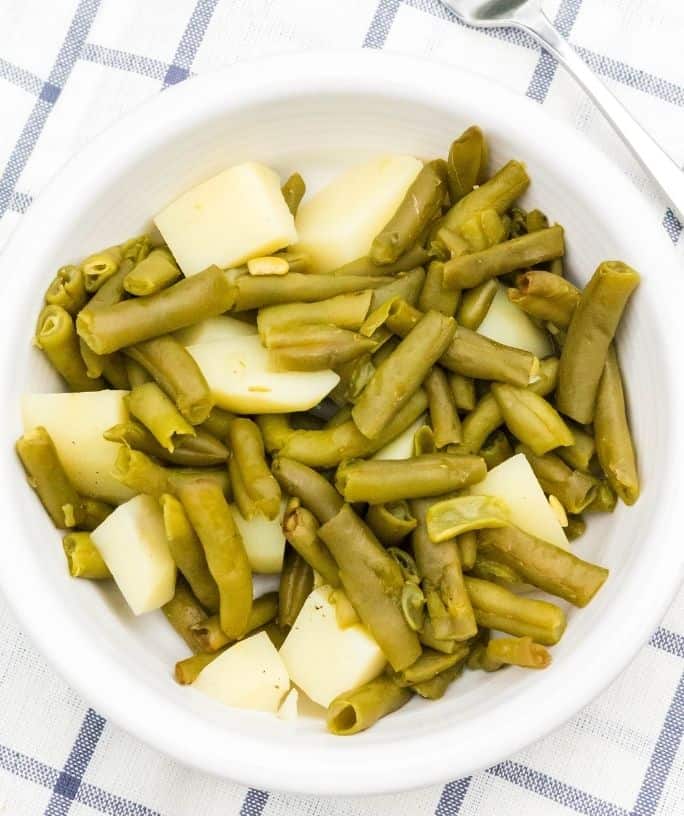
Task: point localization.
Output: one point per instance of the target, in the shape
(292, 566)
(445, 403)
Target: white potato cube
(263, 539)
(236, 215)
(338, 224)
(514, 482)
(288, 710)
(214, 328)
(508, 324)
(402, 446)
(322, 658)
(250, 674)
(133, 543)
(241, 380)
(76, 423)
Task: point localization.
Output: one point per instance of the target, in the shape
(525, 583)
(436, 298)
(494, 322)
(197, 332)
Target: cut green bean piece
(210, 637)
(444, 419)
(100, 266)
(92, 513)
(497, 449)
(412, 258)
(296, 583)
(530, 418)
(574, 489)
(354, 377)
(434, 295)
(482, 230)
(293, 192)
(183, 611)
(424, 441)
(413, 606)
(177, 373)
(94, 363)
(56, 336)
(373, 583)
(467, 271)
(378, 481)
(467, 549)
(590, 334)
(217, 422)
(461, 514)
(605, 499)
(576, 527)
(463, 389)
(312, 489)
(467, 162)
(475, 304)
(247, 447)
(67, 289)
(499, 608)
(200, 450)
(489, 569)
(275, 430)
(406, 286)
(157, 271)
(545, 296)
(186, 550)
(136, 374)
(316, 347)
(187, 671)
(436, 688)
(360, 708)
(429, 665)
(149, 404)
(83, 557)
(213, 522)
(614, 445)
(301, 530)
(581, 452)
(544, 565)
(347, 311)
(391, 522)
(519, 652)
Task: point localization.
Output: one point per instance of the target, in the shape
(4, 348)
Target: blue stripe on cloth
(451, 800)
(381, 24)
(673, 226)
(26, 767)
(19, 76)
(190, 42)
(124, 61)
(665, 639)
(110, 804)
(545, 69)
(663, 756)
(65, 789)
(550, 788)
(66, 59)
(254, 803)
(20, 202)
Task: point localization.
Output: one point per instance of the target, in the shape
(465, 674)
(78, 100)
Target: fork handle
(652, 157)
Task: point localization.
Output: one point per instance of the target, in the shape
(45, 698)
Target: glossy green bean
(574, 489)
(314, 491)
(92, 513)
(209, 635)
(346, 311)
(83, 557)
(519, 652)
(56, 337)
(177, 373)
(496, 449)
(405, 285)
(412, 258)
(391, 522)
(301, 530)
(67, 289)
(314, 348)
(150, 405)
(605, 500)
(481, 231)
(531, 418)
(467, 549)
(125, 323)
(157, 271)
(451, 517)
(590, 334)
(186, 671)
(444, 419)
(436, 688)
(217, 422)
(434, 295)
(114, 371)
(467, 162)
(499, 608)
(201, 450)
(580, 454)
(545, 296)
(213, 522)
(293, 192)
(354, 377)
(475, 304)
(614, 445)
(489, 569)
(135, 372)
(357, 710)
(463, 389)
(100, 266)
(373, 582)
(296, 583)
(576, 527)
(544, 565)
(429, 665)
(247, 447)
(184, 611)
(186, 550)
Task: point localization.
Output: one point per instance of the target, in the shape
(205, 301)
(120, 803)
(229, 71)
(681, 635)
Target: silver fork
(528, 15)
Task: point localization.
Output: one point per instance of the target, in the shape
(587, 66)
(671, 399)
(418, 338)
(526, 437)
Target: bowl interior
(319, 130)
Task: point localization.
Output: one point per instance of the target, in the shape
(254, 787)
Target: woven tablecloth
(67, 70)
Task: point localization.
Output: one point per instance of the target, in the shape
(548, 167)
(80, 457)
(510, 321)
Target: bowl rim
(238, 756)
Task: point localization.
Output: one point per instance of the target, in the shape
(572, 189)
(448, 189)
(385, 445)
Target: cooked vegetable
(360, 708)
(84, 558)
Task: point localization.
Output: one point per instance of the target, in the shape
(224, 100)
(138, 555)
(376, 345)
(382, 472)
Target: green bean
(545, 296)
(461, 514)
(518, 222)
(590, 334)
(519, 652)
(328, 447)
(296, 583)
(574, 489)
(605, 499)
(576, 527)
(157, 271)
(186, 550)
(373, 582)
(94, 363)
(497, 449)
(536, 220)
(182, 475)
(83, 557)
(406, 285)
(614, 445)
(467, 549)
(136, 374)
(184, 611)
(177, 373)
(301, 530)
(436, 688)
(401, 374)
(440, 567)
(125, 323)
(499, 608)
(429, 665)
(390, 522)
(200, 450)
(413, 605)
(297, 260)
(489, 569)
(149, 404)
(467, 162)
(379, 481)
(257, 292)
(469, 353)
(481, 231)
(313, 348)
(360, 708)
(47, 477)
(314, 491)
(114, 371)
(211, 517)
(475, 304)
(463, 389)
(354, 377)
(581, 452)
(187, 671)
(92, 513)
(412, 258)
(247, 447)
(275, 430)
(100, 266)
(441, 405)
(56, 336)
(479, 659)
(422, 202)
(245, 504)
(428, 638)
(467, 271)
(434, 295)
(339, 417)
(544, 565)
(209, 635)
(530, 418)
(346, 311)
(217, 422)
(67, 289)
(293, 192)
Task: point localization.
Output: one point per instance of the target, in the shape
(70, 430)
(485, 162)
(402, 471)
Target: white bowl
(318, 114)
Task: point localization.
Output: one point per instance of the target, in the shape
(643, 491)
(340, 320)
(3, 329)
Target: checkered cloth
(68, 68)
